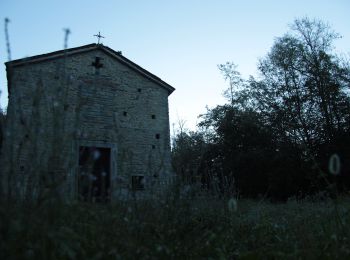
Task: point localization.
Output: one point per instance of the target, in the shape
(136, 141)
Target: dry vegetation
(176, 228)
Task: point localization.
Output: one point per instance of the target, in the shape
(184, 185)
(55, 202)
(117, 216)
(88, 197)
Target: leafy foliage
(187, 155)
(278, 132)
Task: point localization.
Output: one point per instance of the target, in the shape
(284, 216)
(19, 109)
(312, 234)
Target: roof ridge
(27, 59)
(85, 48)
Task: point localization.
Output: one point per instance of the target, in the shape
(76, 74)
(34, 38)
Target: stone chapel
(87, 123)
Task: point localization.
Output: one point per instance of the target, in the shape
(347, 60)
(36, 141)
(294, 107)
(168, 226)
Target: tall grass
(175, 228)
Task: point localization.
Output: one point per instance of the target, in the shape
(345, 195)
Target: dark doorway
(94, 174)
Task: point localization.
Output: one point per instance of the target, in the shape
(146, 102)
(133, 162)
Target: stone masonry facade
(86, 108)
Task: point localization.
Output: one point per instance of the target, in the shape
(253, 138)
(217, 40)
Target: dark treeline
(286, 133)
(2, 125)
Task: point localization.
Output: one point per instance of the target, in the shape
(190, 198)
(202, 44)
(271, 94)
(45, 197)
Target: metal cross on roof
(99, 36)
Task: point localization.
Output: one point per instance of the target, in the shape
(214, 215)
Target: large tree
(303, 85)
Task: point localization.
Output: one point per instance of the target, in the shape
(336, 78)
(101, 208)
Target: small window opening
(153, 146)
(138, 182)
(153, 116)
(138, 90)
(125, 113)
(21, 168)
(157, 136)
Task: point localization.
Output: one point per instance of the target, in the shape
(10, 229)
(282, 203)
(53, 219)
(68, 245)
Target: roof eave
(86, 48)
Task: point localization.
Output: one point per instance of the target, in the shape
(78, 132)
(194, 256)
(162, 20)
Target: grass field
(177, 229)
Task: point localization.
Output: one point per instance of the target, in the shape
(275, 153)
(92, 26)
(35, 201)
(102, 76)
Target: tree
(187, 152)
(230, 73)
(239, 150)
(303, 85)
(303, 93)
(278, 131)
(2, 126)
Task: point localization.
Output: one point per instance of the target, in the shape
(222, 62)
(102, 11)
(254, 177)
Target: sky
(181, 41)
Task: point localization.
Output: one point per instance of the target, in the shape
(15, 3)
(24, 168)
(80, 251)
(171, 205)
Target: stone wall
(57, 105)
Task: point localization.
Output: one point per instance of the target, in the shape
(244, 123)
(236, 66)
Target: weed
(174, 228)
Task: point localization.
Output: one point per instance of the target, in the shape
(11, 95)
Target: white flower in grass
(232, 205)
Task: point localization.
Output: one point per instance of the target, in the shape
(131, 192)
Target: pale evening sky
(182, 41)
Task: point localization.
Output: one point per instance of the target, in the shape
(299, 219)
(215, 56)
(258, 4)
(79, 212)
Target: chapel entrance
(94, 177)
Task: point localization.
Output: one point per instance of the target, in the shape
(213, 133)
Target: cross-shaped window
(97, 64)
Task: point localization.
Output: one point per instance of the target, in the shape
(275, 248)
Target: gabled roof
(86, 48)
